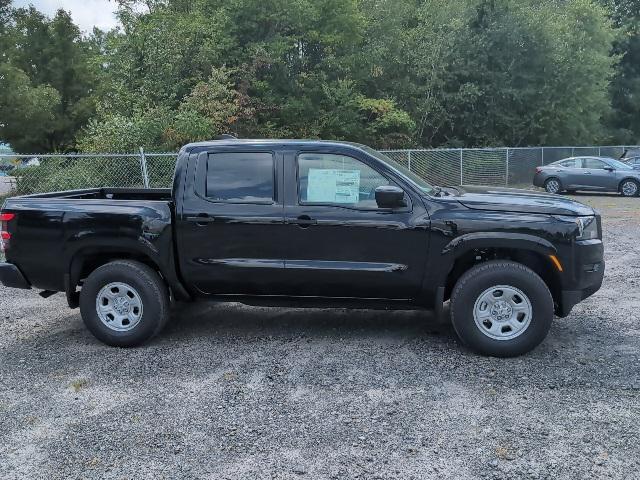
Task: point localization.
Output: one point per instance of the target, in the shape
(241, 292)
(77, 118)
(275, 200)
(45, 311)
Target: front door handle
(587, 173)
(303, 221)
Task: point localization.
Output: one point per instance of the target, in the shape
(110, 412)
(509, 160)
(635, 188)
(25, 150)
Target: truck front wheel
(501, 308)
(124, 303)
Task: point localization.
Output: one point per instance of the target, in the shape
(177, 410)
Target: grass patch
(79, 384)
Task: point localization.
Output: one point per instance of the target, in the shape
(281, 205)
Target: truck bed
(109, 194)
(51, 231)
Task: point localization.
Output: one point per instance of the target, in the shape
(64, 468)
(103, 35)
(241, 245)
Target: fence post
(460, 166)
(409, 159)
(143, 168)
(599, 151)
(506, 176)
(542, 152)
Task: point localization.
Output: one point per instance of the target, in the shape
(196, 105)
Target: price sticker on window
(333, 185)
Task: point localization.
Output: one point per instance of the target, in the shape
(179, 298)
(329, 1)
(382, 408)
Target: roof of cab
(261, 141)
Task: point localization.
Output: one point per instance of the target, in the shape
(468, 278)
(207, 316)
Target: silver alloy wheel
(552, 186)
(119, 306)
(502, 312)
(629, 188)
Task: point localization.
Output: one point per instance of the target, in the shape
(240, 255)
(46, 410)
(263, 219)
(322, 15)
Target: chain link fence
(25, 174)
(512, 167)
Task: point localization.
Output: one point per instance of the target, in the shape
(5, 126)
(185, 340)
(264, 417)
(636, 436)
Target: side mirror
(390, 196)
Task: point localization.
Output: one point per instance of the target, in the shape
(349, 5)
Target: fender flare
(76, 260)
(472, 241)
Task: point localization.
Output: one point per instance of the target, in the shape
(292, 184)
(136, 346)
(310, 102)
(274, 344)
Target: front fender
(481, 240)
(472, 241)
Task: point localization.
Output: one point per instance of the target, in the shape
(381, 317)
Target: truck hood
(515, 200)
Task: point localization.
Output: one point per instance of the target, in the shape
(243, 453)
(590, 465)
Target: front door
(339, 243)
(230, 231)
(599, 178)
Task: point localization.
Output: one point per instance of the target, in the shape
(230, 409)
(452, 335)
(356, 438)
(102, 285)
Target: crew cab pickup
(309, 223)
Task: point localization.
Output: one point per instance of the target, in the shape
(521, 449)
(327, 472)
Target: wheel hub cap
(502, 312)
(119, 306)
(629, 188)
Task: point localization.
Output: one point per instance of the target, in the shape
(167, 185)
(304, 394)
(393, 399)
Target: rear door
(340, 244)
(230, 231)
(569, 172)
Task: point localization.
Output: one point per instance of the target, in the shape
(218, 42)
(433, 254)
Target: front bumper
(585, 277)
(11, 276)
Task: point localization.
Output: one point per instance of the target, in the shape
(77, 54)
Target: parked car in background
(630, 153)
(601, 174)
(633, 162)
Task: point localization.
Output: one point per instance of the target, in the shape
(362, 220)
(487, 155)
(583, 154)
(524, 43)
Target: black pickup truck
(275, 222)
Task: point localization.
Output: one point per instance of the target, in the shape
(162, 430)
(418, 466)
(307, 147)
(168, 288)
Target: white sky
(85, 13)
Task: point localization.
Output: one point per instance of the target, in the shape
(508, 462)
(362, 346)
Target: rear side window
(569, 163)
(240, 177)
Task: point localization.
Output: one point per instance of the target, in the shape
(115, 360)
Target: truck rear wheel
(501, 308)
(124, 303)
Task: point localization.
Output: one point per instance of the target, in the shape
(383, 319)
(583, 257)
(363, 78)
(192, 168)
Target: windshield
(617, 164)
(417, 180)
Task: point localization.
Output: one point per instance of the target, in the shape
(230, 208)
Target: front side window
(326, 178)
(240, 177)
(594, 163)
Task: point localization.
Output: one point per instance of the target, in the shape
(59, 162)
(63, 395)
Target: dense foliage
(392, 73)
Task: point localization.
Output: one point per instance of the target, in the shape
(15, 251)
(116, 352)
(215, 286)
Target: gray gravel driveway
(230, 391)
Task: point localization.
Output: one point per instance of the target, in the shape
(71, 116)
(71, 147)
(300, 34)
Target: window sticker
(333, 185)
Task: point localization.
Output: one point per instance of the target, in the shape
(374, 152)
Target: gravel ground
(229, 391)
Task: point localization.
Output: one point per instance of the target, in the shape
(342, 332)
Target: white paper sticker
(333, 186)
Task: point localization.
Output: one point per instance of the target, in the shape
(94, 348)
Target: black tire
(149, 287)
(477, 280)
(548, 183)
(623, 189)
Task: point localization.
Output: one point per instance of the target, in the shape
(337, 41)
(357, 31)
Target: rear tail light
(538, 169)
(5, 236)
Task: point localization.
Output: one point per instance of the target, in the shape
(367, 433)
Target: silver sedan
(600, 174)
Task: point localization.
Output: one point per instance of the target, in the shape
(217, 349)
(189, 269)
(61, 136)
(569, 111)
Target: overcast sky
(86, 13)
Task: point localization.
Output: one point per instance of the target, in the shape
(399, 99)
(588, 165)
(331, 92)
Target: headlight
(587, 226)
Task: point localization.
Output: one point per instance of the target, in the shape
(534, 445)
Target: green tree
(53, 55)
(624, 120)
(27, 112)
(492, 72)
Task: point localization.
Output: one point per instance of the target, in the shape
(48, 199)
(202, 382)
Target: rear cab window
(240, 177)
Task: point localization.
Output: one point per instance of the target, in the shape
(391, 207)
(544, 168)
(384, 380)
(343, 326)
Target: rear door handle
(201, 219)
(303, 221)
(587, 173)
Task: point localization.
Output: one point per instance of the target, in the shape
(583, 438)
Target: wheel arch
(466, 251)
(637, 182)
(87, 259)
(554, 177)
